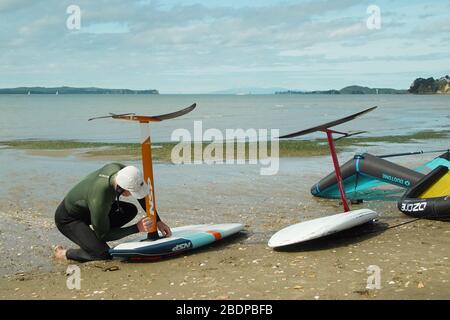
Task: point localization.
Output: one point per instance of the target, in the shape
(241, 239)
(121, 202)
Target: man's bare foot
(59, 253)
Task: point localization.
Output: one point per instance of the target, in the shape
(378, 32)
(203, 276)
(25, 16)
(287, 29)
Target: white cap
(130, 178)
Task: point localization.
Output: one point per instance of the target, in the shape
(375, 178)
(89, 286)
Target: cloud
(148, 41)
(352, 30)
(106, 28)
(8, 6)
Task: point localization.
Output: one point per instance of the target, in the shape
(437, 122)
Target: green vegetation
(93, 149)
(421, 135)
(54, 144)
(431, 86)
(162, 151)
(366, 90)
(70, 90)
(350, 90)
(419, 86)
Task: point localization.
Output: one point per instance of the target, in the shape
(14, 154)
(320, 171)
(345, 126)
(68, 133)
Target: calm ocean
(65, 116)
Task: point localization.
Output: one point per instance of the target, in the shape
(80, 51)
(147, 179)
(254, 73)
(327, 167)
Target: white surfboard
(320, 227)
(182, 239)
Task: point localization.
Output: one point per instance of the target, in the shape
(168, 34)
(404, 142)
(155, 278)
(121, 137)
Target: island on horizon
(419, 86)
(72, 90)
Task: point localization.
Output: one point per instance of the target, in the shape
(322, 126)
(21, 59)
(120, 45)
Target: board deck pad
(321, 227)
(182, 239)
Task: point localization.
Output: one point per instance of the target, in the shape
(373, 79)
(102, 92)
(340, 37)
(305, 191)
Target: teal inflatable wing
(365, 172)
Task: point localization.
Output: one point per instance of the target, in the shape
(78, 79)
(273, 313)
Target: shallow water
(185, 194)
(65, 116)
(189, 194)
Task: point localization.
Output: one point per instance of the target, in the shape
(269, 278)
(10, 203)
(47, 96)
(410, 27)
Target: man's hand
(144, 224)
(164, 228)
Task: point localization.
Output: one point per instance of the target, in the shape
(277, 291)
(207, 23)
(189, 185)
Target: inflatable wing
(365, 172)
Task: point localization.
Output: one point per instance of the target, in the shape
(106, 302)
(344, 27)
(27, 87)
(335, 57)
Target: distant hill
(308, 92)
(367, 90)
(249, 90)
(431, 86)
(71, 90)
(350, 90)
(419, 86)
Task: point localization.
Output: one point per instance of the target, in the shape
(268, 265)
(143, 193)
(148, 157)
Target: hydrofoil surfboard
(321, 227)
(183, 238)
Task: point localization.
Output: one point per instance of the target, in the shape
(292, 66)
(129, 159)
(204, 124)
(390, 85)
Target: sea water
(190, 194)
(66, 116)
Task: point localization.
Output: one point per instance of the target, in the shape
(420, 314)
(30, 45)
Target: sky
(206, 46)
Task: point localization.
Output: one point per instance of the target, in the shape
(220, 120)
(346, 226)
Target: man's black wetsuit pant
(77, 229)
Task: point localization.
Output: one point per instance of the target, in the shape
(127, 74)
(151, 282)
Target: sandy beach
(229, 110)
(413, 256)
(413, 259)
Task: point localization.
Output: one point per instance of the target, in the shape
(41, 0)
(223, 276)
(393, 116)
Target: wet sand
(413, 257)
(414, 262)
